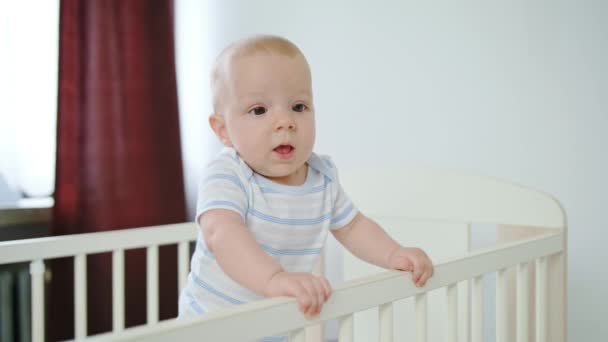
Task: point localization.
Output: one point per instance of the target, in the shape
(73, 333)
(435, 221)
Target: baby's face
(269, 114)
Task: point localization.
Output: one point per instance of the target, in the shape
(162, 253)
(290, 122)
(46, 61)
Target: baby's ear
(218, 125)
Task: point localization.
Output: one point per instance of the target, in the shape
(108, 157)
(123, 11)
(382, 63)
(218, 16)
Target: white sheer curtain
(28, 94)
(194, 53)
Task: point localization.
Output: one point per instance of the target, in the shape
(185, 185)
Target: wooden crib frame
(535, 225)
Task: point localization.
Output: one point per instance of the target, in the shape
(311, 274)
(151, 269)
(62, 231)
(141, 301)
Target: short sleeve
(344, 209)
(221, 187)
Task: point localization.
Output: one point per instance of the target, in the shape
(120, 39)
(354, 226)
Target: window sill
(27, 218)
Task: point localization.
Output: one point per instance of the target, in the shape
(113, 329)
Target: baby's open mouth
(284, 150)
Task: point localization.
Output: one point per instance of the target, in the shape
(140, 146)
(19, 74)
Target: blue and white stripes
(289, 223)
(231, 178)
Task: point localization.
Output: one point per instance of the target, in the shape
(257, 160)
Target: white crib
(431, 209)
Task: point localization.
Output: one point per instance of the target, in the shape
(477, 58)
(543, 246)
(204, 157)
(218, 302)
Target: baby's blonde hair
(247, 47)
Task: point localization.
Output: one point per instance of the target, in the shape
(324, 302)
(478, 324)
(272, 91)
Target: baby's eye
(300, 107)
(259, 110)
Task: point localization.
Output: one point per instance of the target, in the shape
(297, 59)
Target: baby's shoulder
(324, 164)
(228, 162)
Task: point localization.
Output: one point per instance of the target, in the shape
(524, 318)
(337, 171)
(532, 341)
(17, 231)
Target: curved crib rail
(280, 315)
(262, 318)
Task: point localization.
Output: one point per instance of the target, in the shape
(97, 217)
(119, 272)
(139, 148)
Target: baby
(267, 202)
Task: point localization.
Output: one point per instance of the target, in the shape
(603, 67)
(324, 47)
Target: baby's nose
(285, 121)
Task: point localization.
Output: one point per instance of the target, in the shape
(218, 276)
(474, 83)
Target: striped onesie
(290, 223)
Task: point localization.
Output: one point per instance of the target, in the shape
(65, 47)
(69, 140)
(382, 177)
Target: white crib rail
(280, 315)
(432, 196)
(36, 251)
(91, 243)
(262, 318)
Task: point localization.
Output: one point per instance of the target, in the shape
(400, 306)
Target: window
(28, 95)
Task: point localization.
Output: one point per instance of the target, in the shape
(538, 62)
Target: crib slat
(421, 317)
(477, 309)
(345, 327)
(452, 297)
(298, 335)
(80, 296)
(118, 290)
(501, 305)
(152, 283)
(522, 302)
(37, 274)
(465, 314)
(316, 332)
(183, 264)
(385, 318)
(541, 299)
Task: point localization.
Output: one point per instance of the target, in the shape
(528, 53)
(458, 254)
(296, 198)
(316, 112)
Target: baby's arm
(239, 255)
(368, 241)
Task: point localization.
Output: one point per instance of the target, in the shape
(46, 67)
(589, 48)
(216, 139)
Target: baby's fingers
(428, 272)
(303, 299)
(320, 292)
(423, 278)
(313, 298)
(326, 288)
(418, 271)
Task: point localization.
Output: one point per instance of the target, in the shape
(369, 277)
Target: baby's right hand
(310, 291)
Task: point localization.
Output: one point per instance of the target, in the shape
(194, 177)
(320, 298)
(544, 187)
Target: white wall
(514, 89)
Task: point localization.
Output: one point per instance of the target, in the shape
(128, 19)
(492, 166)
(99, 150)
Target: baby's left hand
(412, 260)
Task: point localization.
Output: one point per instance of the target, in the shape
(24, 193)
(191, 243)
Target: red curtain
(118, 150)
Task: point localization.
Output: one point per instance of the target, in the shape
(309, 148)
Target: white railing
(280, 315)
(36, 251)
